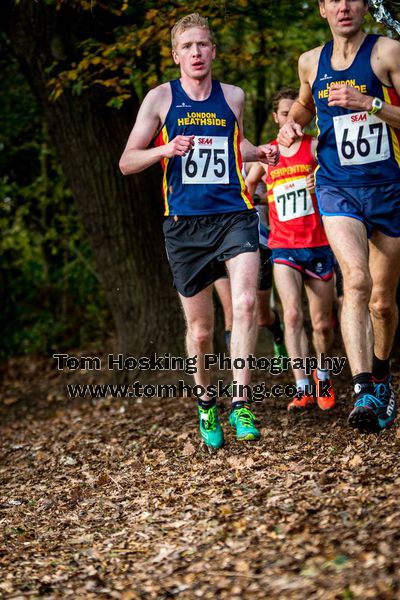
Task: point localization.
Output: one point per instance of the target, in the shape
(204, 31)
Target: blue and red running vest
(208, 180)
(354, 148)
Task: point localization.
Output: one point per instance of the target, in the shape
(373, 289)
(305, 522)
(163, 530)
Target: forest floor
(117, 498)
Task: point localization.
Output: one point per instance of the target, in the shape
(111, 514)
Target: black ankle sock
(208, 404)
(276, 329)
(227, 338)
(380, 368)
(239, 404)
(362, 384)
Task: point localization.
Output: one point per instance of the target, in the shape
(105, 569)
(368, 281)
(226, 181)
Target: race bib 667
(361, 139)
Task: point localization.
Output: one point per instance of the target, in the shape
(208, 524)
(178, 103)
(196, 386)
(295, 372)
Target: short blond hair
(192, 20)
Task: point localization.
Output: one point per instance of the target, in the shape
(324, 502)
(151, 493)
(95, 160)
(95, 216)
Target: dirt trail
(117, 499)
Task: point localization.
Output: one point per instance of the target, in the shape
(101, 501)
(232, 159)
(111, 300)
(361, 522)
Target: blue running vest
(208, 180)
(354, 148)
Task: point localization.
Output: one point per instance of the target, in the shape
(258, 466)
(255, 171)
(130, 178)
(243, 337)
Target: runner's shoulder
(387, 43)
(158, 101)
(309, 60)
(161, 93)
(233, 92)
(387, 49)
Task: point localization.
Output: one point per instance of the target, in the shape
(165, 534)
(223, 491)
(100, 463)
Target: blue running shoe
(369, 414)
(210, 427)
(384, 392)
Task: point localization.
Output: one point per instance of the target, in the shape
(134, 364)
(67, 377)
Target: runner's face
(194, 52)
(344, 17)
(281, 114)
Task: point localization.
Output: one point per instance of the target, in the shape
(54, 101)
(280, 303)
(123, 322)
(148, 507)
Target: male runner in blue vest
(353, 85)
(210, 218)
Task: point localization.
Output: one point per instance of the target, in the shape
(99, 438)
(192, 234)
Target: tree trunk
(122, 216)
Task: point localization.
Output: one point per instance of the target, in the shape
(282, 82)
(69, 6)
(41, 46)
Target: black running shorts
(197, 247)
(265, 280)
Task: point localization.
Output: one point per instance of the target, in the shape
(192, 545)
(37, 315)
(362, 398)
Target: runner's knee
(382, 307)
(293, 318)
(244, 306)
(322, 326)
(200, 334)
(357, 282)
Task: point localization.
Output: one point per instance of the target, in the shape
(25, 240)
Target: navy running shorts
(197, 247)
(311, 262)
(378, 206)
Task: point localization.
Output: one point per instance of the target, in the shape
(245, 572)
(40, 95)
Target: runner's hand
(179, 146)
(289, 133)
(268, 154)
(348, 96)
(310, 181)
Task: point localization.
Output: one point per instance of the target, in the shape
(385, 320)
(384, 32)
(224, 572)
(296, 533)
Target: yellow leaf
(84, 64)
(10, 400)
(356, 461)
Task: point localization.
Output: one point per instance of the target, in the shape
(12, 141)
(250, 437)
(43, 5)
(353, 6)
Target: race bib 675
(207, 161)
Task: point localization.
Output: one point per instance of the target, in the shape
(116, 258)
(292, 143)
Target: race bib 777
(293, 200)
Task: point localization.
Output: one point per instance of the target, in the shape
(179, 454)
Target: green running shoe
(280, 352)
(210, 427)
(243, 419)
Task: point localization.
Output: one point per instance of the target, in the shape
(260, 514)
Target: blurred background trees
(81, 249)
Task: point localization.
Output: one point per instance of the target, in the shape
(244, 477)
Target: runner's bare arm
(314, 146)
(310, 179)
(389, 68)
(250, 153)
(254, 176)
(137, 156)
(303, 109)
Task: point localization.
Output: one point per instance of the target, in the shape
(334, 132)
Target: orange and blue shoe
(324, 392)
(301, 402)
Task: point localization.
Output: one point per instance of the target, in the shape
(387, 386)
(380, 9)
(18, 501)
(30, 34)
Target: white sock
(302, 385)
(323, 374)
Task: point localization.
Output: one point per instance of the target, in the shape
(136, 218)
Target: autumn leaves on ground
(117, 499)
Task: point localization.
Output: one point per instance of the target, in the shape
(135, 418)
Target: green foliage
(258, 43)
(50, 296)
